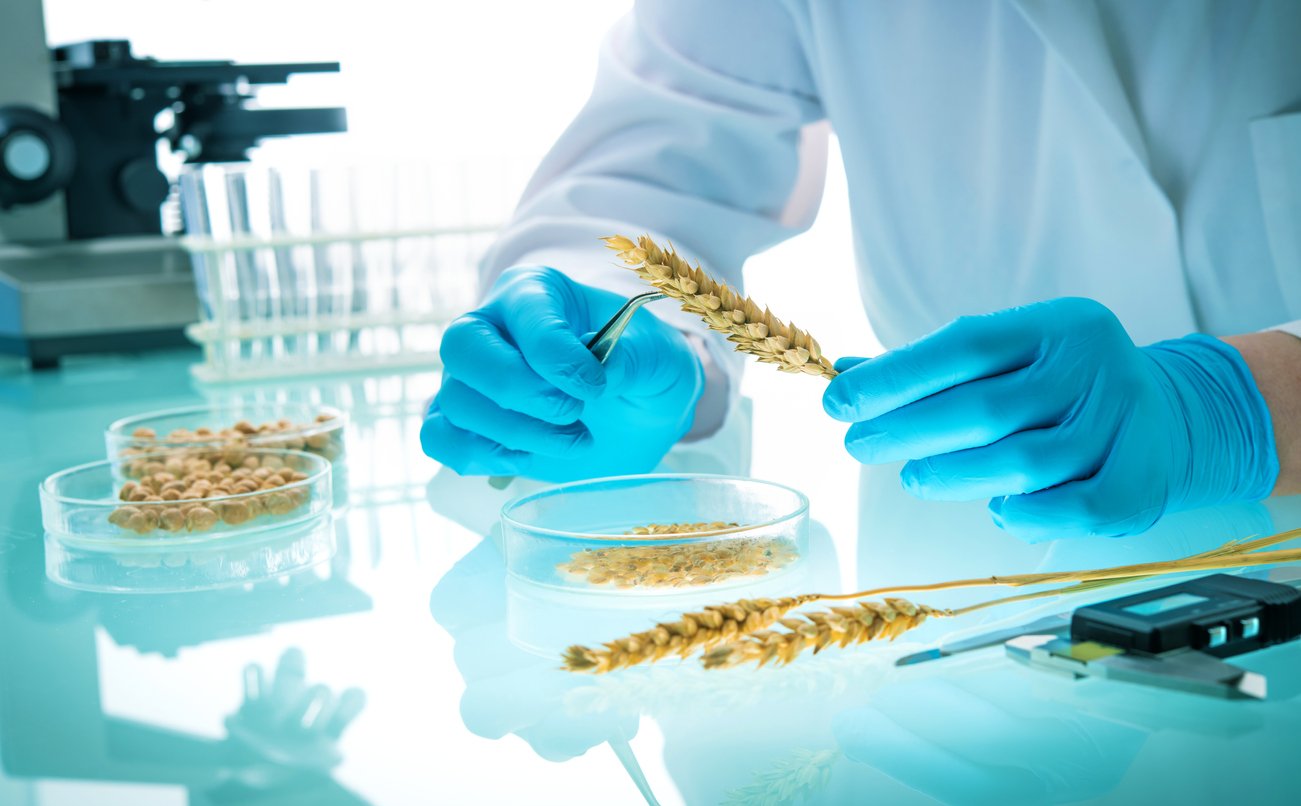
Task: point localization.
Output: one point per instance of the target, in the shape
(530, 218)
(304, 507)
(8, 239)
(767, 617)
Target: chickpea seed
(138, 523)
(235, 512)
(172, 520)
(201, 519)
(121, 515)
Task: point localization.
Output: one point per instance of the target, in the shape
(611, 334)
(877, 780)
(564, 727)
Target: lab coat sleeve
(1291, 327)
(703, 129)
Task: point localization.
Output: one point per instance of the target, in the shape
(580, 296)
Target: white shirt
(1145, 153)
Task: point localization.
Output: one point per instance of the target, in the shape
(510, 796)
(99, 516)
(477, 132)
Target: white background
(490, 79)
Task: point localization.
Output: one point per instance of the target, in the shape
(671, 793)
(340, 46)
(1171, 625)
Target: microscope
(88, 257)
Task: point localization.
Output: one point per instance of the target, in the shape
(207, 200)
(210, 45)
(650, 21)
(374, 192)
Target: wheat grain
(680, 564)
(694, 631)
(701, 528)
(837, 626)
(750, 329)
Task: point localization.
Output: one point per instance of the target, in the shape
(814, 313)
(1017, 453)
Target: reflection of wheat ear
(701, 630)
(796, 779)
(750, 329)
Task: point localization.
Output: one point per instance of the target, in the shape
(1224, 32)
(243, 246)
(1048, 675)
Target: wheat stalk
(1233, 558)
(749, 328)
(836, 626)
(870, 621)
(693, 631)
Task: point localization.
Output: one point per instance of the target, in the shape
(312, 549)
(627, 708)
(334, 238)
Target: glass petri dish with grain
(163, 521)
(655, 534)
(289, 426)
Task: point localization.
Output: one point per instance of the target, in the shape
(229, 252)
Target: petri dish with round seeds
(207, 430)
(289, 426)
(165, 522)
(655, 534)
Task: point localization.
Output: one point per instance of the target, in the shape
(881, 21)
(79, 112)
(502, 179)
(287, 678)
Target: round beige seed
(235, 512)
(201, 519)
(172, 519)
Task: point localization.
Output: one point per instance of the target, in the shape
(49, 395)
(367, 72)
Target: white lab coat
(1144, 154)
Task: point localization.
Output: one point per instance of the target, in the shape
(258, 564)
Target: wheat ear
(870, 621)
(738, 633)
(836, 626)
(749, 328)
(700, 630)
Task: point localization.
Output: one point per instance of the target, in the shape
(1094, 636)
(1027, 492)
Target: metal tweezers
(603, 341)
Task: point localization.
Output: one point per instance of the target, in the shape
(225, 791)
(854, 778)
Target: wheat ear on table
(817, 630)
(693, 631)
(750, 329)
(737, 633)
(869, 621)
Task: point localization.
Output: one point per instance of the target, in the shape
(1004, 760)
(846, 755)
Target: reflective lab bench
(231, 696)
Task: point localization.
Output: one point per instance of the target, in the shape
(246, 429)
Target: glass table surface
(409, 668)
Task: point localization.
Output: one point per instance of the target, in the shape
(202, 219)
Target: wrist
(1223, 438)
(715, 398)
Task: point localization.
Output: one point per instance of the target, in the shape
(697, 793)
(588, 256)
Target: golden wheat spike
(700, 630)
(738, 633)
(837, 626)
(750, 329)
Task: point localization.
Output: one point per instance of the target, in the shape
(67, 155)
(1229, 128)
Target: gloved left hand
(1053, 413)
(522, 395)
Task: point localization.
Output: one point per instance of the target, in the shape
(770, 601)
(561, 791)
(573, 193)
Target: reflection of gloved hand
(508, 690)
(522, 395)
(988, 753)
(1051, 411)
(288, 723)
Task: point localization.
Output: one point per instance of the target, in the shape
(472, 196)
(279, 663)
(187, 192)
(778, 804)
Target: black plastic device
(1220, 615)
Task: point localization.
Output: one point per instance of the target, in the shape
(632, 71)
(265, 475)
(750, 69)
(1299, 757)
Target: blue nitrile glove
(522, 395)
(1053, 413)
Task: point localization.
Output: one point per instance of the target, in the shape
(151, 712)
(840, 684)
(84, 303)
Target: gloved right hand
(522, 395)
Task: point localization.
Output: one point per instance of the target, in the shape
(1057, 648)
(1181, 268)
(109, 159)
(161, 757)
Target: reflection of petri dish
(731, 532)
(288, 426)
(95, 540)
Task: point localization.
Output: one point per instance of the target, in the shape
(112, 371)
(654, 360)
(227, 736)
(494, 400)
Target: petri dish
(655, 534)
(291, 426)
(205, 431)
(110, 526)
